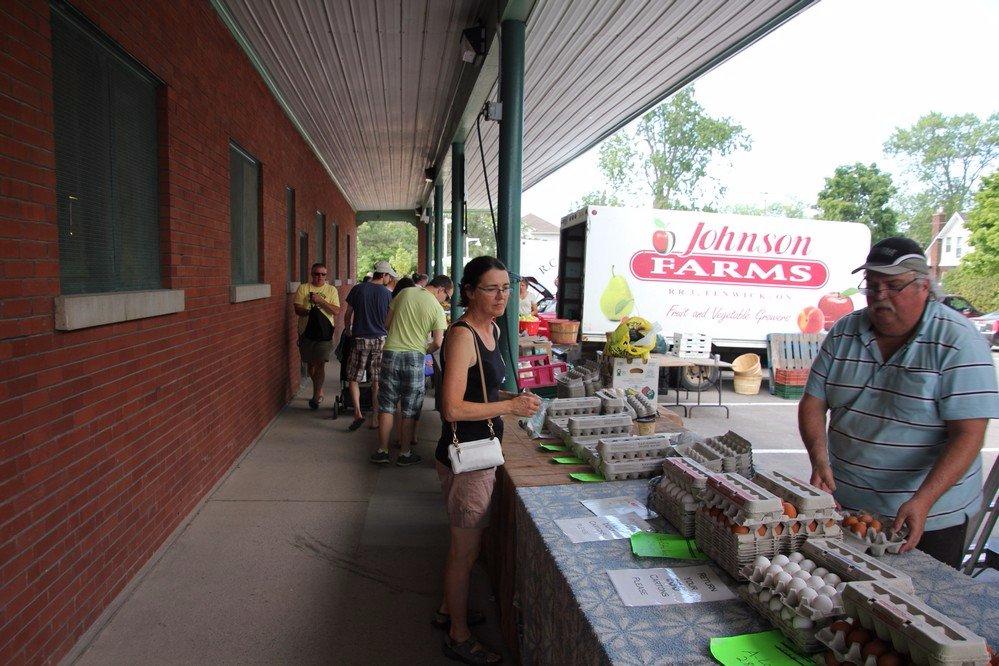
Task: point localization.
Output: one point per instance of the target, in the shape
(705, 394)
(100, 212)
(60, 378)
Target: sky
(825, 89)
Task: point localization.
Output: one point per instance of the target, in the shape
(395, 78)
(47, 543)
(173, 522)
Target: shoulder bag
(481, 453)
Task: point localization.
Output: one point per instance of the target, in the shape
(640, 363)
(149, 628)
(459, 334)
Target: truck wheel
(697, 378)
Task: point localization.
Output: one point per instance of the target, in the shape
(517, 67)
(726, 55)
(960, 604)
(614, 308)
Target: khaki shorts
(467, 496)
(315, 351)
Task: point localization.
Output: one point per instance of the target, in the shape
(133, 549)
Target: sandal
(355, 424)
(442, 621)
(469, 652)
(313, 405)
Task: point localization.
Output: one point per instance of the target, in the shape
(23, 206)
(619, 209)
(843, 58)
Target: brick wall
(111, 435)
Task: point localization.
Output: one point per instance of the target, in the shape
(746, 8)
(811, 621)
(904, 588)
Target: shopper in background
(421, 279)
(466, 412)
(528, 301)
(403, 283)
(315, 351)
(367, 308)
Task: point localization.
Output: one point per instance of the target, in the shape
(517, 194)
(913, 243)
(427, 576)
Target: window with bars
(321, 237)
(289, 207)
(104, 121)
(335, 252)
(244, 215)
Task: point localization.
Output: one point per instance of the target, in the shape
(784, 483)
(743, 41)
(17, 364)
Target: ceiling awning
(378, 87)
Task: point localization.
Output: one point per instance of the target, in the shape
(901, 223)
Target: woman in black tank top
(485, 291)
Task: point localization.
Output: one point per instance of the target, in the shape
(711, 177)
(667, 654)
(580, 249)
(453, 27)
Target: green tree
(860, 193)
(947, 155)
(668, 153)
(983, 222)
(774, 209)
(916, 216)
(377, 241)
(596, 198)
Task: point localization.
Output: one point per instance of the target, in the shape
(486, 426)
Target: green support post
(457, 220)
(428, 247)
(438, 229)
(511, 162)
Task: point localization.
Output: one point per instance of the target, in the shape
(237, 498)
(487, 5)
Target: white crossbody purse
(481, 453)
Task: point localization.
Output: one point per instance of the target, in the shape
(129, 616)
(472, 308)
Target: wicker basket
(747, 365)
(747, 384)
(563, 331)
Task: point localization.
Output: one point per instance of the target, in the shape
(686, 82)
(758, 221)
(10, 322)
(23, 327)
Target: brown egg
(849, 521)
(875, 525)
(840, 625)
(740, 529)
(830, 522)
(789, 510)
(891, 659)
(762, 531)
(875, 648)
(778, 529)
(795, 528)
(867, 518)
(812, 526)
(860, 529)
(858, 635)
(830, 659)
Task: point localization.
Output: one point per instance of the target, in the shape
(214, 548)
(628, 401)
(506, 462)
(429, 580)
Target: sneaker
(407, 460)
(380, 458)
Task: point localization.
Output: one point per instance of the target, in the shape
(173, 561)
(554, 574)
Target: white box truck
(735, 278)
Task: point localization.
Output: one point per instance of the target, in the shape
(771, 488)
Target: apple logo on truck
(663, 240)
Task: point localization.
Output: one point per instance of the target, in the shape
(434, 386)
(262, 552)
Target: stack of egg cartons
(737, 522)
(852, 565)
(736, 453)
(599, 425)
(888, 626)
(561, 409)
(642, 406)
(570, 385)
(635, 457)
(612, 401)
(808, 511)
(680, 492)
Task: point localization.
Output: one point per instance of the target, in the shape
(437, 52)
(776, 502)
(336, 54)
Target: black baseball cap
(894, 256)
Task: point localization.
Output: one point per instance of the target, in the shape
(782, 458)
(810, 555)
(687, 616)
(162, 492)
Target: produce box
(632, 373)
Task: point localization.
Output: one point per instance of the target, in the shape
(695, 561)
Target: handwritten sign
(666, 587)
(602, 528)
(766, 648)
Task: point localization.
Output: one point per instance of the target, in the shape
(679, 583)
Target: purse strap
(482, 378)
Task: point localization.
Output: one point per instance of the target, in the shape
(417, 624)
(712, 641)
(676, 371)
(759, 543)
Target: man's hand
(822, 477)
(913, 514)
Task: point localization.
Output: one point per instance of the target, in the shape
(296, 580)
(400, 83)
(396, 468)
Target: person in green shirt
(415, 316)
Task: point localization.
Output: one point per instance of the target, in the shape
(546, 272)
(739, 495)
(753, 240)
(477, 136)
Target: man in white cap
(910, 389)
(367, 308)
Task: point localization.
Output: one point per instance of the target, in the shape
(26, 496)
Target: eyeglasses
(317, 273)
(868, 289)
(495, 291)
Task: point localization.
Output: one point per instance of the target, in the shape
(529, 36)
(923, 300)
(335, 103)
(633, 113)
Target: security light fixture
(473, 43)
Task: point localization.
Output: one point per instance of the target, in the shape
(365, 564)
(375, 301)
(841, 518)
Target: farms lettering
(723, 256)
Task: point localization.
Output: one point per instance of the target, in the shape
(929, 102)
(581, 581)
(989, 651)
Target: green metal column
(511, 162)
(457, 219)
(438, 229)
(428, 247)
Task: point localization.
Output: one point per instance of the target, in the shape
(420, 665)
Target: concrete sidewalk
(304, 554)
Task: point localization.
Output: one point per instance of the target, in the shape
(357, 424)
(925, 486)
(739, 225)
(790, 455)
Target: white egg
(792, 568)
(807, 595)
(801, 573)
(828, 590)
(796, 557)
(761, 562)
(781, 581)
(796, 585)
(820, 572)
(781, 560)
(774, 569)
(801, 623)
(807, 565)
(775, 604)
(816, 583)
(765, 596)
(688, 498)
(840, 587)
(822, 604)
(832, 579)
(787, 614)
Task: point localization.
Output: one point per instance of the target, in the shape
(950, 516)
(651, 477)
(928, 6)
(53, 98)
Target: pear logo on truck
(719, 255)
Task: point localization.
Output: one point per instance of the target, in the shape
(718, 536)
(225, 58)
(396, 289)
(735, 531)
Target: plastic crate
(791, 376)
(788, 392)
(538, 371)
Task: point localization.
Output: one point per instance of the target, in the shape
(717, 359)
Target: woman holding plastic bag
(472, 408)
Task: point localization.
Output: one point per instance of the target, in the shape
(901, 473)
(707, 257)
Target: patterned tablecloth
(572, 614)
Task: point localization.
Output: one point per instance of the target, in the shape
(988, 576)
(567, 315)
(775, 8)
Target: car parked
(988, 327)
(961, 304)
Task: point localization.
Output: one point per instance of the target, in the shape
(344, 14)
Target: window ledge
(293, 287)
(88, 310)
(240, 293)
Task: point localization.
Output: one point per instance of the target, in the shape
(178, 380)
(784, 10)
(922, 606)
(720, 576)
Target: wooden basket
(563, 331)
(747, 385)
(747, 364)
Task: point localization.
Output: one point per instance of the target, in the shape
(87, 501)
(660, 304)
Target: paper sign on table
(587, 477)
(655, 544)
(664, 587)
(602, 528)
(615, 506)
(766, 648)
(552, 447)
(568, 460)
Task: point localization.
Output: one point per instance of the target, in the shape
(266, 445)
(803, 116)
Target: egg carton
(814, 596)
(914, 628)
(732, 552)
(714, 463)
(585, 448)
(744, 502)
(676, 504)
(562, 407)
(852, 565)
(642, 406)
(805, 497)
(591, 385)
(687, 473)
(797, 531)
(803, 637)
(640, 468)
(569, 387)
(609, 424)
(558, 427)
(736, 452)
(879, 543)
(636, 446)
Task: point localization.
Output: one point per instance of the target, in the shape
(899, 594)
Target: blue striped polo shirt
(887, 419)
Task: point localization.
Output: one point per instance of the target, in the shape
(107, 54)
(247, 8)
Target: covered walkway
(304, 553)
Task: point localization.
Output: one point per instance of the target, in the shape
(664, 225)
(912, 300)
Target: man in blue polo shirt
(910, 389)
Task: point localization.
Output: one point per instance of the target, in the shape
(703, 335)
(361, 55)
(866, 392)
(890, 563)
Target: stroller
(343, 402)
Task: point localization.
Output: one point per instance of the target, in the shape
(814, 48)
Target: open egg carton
(678, 493)
(558, 427)
(642, 406)
(613, 401)
(585, 448)
(563, 407)
(735, 451)
(884, 620)
(800, 630)
(603, 425)
(872, 533)
(809, 511)
(852, 565)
